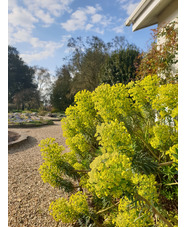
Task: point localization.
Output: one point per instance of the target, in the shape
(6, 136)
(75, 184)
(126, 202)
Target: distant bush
(42, 112)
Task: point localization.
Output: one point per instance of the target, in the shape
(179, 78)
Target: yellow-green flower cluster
(167, 100)
(111, 174)
(164, 137)
(173, 154)
(132, 214)
(144, 91)
(79, 128)
(114, 137)
(69, 211)
(52, 154)
(111, 102)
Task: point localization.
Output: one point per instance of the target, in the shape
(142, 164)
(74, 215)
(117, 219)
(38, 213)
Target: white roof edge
(148, 12)
(137, 11)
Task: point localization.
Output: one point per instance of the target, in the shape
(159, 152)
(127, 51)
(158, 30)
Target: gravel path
(28, 196)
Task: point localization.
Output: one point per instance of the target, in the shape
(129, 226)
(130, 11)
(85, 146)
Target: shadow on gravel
(29, 143)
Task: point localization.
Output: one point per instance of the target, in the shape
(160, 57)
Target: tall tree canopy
(86, 61)
(60, 95)
(43, 79)
(20, 75)
(92, 62)
(120, 66)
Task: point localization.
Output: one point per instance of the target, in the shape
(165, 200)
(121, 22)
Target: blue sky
(40, 29)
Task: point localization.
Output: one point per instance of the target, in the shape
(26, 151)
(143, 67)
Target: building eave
(146, 13)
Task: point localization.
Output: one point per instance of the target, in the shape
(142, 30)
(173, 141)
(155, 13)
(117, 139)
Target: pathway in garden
(28, 196)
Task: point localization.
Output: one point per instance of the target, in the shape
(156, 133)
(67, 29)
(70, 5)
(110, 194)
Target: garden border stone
(22, 138)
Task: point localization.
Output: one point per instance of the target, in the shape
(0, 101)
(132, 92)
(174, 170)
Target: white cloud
(122, 1)
(81, 18)
(23, 19)
(128, 5)
(90, 10)
(77, 21)
(21, 24)
(22, 35)
(99, 30)
(20, 17)
(44, 50)
(89, 26)
(34, 11)
(119, 29)
(53, 7)
(45, 17)
(96, 18)
(12, 4)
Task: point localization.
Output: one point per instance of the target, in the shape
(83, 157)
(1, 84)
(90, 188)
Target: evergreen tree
(60, 96)
(20, 75)
(120, 66)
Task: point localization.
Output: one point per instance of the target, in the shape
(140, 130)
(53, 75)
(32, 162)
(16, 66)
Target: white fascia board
(137, 11)
(145, 14)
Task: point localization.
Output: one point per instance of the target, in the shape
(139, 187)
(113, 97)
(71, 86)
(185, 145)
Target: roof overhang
(146, 13)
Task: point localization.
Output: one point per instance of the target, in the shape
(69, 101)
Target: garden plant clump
(123, 142)
(122, 168)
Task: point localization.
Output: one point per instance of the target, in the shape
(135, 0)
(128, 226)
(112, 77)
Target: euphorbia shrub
(122, 159)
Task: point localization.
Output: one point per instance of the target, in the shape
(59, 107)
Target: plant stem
(147, 145)
(155, 211)
(173, 183)
(108, 208)
(166, 163)
(82, 171)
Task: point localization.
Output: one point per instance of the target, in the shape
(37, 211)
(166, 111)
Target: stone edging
(22, 138)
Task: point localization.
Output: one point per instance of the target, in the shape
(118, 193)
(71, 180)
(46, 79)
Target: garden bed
(26, 120)
(30, 124)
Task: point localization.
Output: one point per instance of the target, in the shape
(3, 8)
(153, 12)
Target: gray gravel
(28, 196)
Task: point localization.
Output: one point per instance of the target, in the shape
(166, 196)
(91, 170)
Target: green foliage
(162, 56)
(85, 62)
(92, 62)
(20, 76)
(133, 214)
(113, 137)
(54, 167)
(69, 211)
(60, 94)
(111, 174)
(120, 66)
(123, 151)
(79, 129)
(27, 98)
